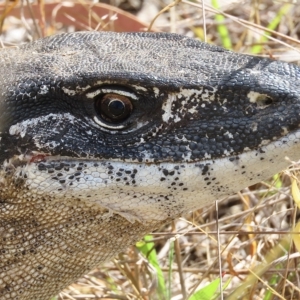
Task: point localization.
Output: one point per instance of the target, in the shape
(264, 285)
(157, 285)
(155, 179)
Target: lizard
(106, 136)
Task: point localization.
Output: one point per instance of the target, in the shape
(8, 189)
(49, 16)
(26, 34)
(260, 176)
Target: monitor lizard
(106, 136)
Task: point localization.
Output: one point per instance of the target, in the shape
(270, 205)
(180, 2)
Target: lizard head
(152, 119)
(105, 136)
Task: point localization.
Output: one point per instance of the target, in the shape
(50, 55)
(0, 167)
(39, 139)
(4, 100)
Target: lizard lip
(40, 156)
(267, 147)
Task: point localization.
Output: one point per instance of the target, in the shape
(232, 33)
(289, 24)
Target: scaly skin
(81, 179)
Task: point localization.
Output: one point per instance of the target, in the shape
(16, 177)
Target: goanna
(106, 136)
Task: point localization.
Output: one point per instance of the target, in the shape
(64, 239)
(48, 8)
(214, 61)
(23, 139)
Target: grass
(249, 250)
(221, 27)
(147, 249)
(284, 10)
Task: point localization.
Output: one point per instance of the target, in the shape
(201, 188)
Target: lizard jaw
(151, 191)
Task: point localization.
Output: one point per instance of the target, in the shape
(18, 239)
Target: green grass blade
(277, 182)
(147, 249)
(274, 280)
(272, 26)
(208, 292)
(221, 28)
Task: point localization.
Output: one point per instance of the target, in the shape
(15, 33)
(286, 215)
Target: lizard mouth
(96, 173)
(151, 191)
(289, 141)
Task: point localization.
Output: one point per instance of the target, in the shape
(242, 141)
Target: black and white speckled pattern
(192, 100)
(76, 188)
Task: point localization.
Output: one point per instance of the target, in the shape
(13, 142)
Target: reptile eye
(113, 108)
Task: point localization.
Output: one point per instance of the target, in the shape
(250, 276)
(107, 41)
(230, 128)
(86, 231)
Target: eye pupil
(116, 107)
(113, 108)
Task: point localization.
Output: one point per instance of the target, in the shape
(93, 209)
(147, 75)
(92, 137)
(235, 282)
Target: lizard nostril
(113, 108)
(264, 100)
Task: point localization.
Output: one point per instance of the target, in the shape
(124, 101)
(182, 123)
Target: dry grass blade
(179, 263)
(161, 12)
